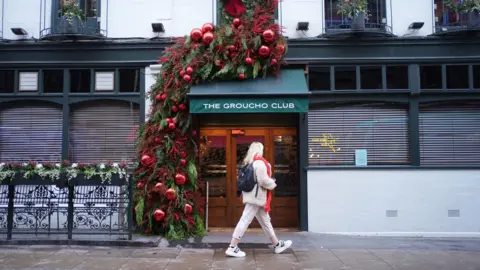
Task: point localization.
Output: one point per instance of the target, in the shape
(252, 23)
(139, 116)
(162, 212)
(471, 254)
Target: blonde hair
(256, 148)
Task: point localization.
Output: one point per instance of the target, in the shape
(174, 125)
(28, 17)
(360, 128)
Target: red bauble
(168, 120)
(268, 35)
(196, 34)
(175, 119)
(140, 185)
(183, 154)
(182, 107)
(273, 61)
(174, 108)
(159, 186)
(233, 48)
(182, 73)
(158, 140)
(264, 51)
(171, 125)
(158, 215)
(208, 27)
(170, 194)
(145, 159)
(164, 96)
(187, 78)
(279, 49)
(218, 63)
(183, 161)
(248, 61)
(189, 70)
(158, 97)
(241, 76)
(188, 209)
(194, 133)
(207, 38)
(240, 27)
(180, 179)
(236, 21)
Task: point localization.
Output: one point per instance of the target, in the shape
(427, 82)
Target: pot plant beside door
(469, 7)
(71, 17)
(355, 10)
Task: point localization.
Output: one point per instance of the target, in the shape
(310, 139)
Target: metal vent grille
(28, 81)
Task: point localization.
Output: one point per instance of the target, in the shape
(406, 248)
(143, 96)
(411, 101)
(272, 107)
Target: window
(476, 76)
(129, 80)
(319, 78)
(457, 76)
(80, 81)
(376, 10)
(397, 77)
(90, 7)
(221, 7)
(445, 16)
(345, 78)
(336, 132)
(7, 81)
(110, 137)
(371, 77)
(31, 131)
(450, 133)
(53, 81)
(431, 77)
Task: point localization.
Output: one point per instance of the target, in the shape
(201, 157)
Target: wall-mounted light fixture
(158, 28)
(19, 31)
(416, 25)
(302, 26)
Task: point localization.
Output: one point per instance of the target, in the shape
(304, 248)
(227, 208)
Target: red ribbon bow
(234, 7)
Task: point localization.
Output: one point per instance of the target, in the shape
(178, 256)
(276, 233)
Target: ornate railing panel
(83, 208)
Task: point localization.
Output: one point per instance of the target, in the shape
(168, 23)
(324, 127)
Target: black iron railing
(375, 18)
(84, 26)
(83, 209)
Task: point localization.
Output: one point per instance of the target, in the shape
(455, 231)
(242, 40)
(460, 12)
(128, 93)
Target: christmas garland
(53, 171)
(247, 44)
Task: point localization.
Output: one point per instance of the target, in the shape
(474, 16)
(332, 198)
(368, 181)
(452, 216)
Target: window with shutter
(336, 132)
(31, 132)
(103, 131)
(450, 133)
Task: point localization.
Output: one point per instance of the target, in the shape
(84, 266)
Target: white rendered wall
(355, 202)
(151, 73)
(133, 18)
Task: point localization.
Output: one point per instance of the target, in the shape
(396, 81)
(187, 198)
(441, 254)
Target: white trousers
(249, 212)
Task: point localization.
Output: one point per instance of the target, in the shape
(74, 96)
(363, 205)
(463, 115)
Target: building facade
(388, 144)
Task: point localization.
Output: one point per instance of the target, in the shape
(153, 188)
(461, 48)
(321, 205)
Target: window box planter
(37, 180)
(65, 27)
(81, 180)
(358, 22)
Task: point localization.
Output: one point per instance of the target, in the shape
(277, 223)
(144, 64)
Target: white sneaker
(235, 252)
(282, 246)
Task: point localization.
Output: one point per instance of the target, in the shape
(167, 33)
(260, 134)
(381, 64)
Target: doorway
(221, 154)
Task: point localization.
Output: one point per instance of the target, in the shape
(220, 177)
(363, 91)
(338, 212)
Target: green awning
(287, 93)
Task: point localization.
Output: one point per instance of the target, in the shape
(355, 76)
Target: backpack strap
(255, 178)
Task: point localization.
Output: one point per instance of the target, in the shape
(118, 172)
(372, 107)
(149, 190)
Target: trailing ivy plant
(351, 8)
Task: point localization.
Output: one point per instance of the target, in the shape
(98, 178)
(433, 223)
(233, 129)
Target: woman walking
(257, 203)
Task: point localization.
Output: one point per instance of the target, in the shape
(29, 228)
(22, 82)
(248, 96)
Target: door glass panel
(213, 164)
(285, 166)
(243, 143)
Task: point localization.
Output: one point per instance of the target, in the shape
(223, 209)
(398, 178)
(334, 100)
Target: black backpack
(246, 179)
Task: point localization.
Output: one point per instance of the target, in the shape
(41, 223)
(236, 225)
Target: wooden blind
(103, 131)
(450, 133)
(31, 132)
(335, 132)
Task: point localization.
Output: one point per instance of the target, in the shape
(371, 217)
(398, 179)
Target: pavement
(310, 251)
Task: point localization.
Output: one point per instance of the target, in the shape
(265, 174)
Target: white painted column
(151, 73)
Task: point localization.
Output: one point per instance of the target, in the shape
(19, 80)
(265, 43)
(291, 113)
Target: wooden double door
(221, 154)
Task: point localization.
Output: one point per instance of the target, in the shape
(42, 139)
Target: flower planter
(81, 180)
(36, 179)
(358, 22)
